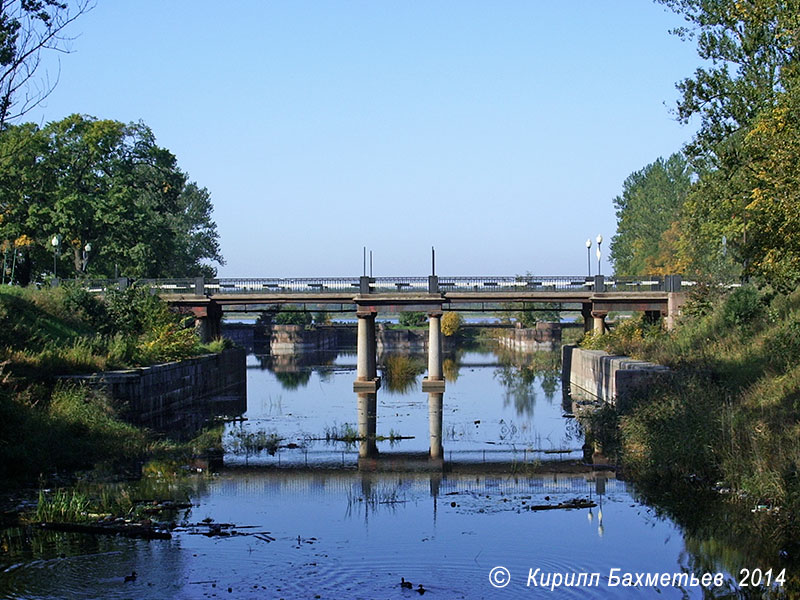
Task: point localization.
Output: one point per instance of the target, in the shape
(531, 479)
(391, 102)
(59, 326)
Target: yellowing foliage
(451, 323)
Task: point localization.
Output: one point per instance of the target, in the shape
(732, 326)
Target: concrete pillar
(367, 425)
(675, 300)
(435, 405)
(372, 345)
(363, 347)
(435, 347)
(434, 382)
(599, 318)
(586, 313)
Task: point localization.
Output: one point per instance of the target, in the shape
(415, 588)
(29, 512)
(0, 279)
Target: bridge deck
(619, 300)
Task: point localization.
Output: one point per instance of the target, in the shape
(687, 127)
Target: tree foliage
(647, 210)
(451, 323)
(108, 184)
(750, 47)
(739, 218)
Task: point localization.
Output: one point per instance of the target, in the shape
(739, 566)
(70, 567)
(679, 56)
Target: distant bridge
(595, 296)
(207, 299)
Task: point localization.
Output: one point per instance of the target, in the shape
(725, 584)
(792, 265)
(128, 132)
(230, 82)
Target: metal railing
(378, 285)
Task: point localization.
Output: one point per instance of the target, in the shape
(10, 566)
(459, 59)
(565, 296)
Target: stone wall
(599, 375)
(291, 339)
(545, 336)
(407, 340)
(164, 395)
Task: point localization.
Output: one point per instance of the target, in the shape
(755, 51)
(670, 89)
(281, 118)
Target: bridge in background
(208, 299)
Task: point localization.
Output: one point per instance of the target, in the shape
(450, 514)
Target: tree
(739, 217)
(751, 47)
(27, 27)
(109, 184)
(647, 213)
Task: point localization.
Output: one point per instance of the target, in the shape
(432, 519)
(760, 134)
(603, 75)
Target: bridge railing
(351, 285)
(282, 285)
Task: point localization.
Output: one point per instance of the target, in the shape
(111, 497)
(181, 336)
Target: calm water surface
(331, 531)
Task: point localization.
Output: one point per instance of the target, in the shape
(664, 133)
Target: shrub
(413, 319)
(451, 323)
(742, 307)
(293, 317)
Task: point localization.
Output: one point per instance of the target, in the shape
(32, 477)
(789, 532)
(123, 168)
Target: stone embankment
(595, 374)
(545, 336)
(162, 395)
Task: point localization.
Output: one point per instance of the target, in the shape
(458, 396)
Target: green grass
(733, 414)
(44, 333)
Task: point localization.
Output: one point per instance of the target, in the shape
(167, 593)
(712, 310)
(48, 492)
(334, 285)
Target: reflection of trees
(518, 373)
(291, 380)
(518, 384)
(450, 369)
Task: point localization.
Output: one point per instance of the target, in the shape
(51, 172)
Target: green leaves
(108, 184)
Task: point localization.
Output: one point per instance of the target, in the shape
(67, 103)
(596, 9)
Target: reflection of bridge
(367, 296)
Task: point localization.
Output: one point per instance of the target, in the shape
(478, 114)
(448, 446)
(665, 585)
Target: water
(309, 524)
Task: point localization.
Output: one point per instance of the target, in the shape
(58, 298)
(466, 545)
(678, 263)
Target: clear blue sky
(498, 131)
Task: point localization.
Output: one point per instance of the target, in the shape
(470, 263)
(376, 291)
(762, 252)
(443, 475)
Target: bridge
(594, 297)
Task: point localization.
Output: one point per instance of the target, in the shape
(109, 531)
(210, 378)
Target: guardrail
(363, 285)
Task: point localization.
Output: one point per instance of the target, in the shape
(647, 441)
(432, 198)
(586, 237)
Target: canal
(291, 516)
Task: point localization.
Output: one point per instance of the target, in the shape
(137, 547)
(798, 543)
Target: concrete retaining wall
(408, 340)
(599, 375)
(545, 336)
(291, 339)
(162, 395)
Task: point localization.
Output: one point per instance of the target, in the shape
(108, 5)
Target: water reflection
(478, 418)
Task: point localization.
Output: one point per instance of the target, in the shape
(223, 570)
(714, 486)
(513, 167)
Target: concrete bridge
(208, 299)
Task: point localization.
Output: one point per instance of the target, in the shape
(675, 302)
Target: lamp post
(589, 255)
(55, 242)
(86, 249)
(599, 253)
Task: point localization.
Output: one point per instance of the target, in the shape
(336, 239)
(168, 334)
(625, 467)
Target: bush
(413, 319)
(742, 308)
(451, 323)
(293, 317)
(135, 310)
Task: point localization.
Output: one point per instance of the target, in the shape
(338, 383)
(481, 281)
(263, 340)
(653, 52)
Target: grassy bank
(733, 416)
(50, 426)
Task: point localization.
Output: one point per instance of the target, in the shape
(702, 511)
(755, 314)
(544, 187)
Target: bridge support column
(367, 425)
(208, 321)
(586, 313)
(434, 382)
(675, 300)
(599, 318)
(366, 367)
(435, 405)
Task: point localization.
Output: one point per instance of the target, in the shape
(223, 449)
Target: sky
(497, 131)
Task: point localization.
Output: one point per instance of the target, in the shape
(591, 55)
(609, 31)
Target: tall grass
(734, 413)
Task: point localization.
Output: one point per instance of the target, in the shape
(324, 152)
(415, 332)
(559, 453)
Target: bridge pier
(599, 318)
(434, 382)
(208, 321)
(586, 313)
(367, 380)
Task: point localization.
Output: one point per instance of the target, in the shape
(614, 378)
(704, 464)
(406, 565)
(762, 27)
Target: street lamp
(589, 255)
(86, 249)
(599, 241)
(55, 242)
